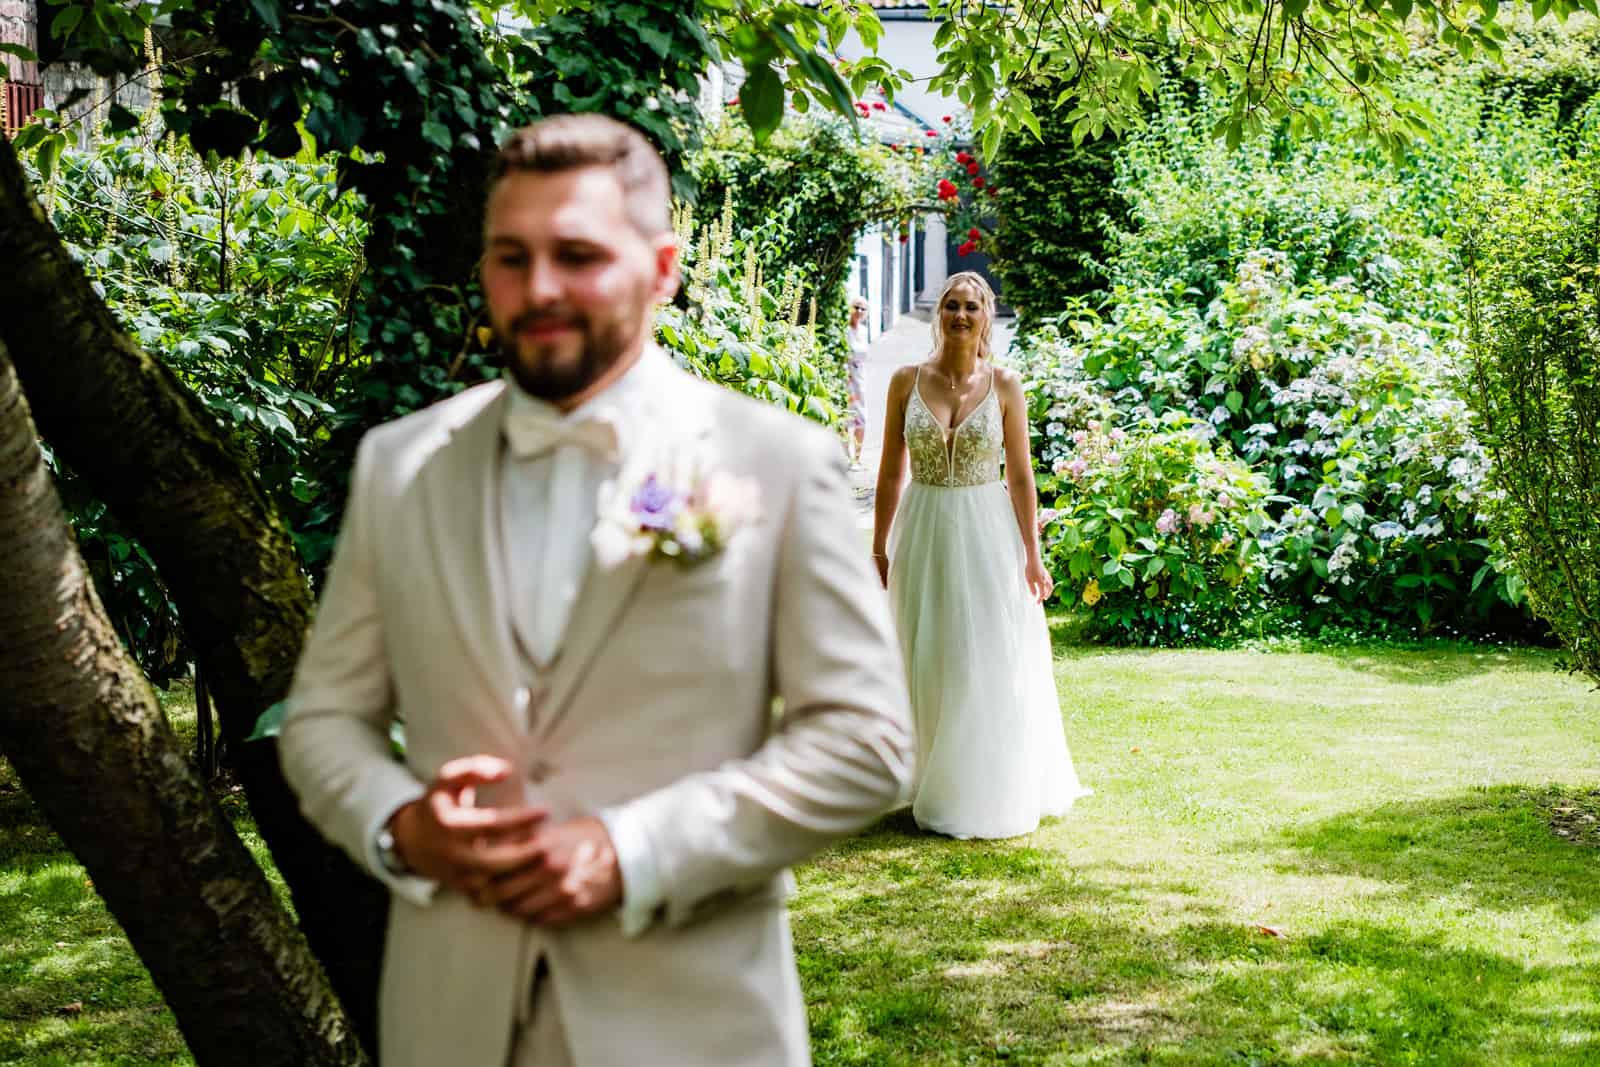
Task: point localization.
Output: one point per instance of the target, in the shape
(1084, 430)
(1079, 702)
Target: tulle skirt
(992, 755)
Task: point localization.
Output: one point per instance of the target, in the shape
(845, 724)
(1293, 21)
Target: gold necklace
(951, 385)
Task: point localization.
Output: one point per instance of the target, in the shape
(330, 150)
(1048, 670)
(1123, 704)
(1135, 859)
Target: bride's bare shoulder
(901, 380)
(1006, 378)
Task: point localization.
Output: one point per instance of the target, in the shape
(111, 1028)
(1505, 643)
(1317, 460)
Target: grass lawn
(1355, 856)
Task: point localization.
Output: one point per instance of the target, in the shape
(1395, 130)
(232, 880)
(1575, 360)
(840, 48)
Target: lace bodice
(968, 455)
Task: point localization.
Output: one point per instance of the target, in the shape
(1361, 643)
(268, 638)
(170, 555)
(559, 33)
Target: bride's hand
(1040, 584)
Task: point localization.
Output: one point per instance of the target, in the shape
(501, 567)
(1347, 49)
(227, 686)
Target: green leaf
(267, 12)
(761, 100)
(65, 22)
(23, 53)
(821, 73)
(659, 41)
(120, 119)
(270, 722)
(29, 136)
(437, 134)
(49, 152)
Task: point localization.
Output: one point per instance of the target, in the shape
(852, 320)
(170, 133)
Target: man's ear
(666, 258)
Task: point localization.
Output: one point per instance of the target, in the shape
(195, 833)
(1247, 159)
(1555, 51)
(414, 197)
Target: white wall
(907, 44)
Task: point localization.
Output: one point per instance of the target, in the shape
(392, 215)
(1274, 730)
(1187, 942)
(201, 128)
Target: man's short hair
(571, 142)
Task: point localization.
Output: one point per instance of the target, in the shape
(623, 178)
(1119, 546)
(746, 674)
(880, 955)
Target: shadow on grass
(1441, 663)
(915, 949)
(72, 990)
(1496, 846)
(1419, 662)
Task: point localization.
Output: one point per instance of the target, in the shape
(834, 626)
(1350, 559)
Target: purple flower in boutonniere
(677, 512)
(655, 505)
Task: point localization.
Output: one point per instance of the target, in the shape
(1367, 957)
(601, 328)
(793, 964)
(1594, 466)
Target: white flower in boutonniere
(677, 513)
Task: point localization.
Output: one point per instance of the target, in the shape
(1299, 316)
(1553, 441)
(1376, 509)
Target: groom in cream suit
(641, 663)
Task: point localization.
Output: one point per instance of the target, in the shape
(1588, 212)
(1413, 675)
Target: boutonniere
(679, 512)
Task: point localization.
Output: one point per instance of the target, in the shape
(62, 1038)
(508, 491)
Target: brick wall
(19, 25)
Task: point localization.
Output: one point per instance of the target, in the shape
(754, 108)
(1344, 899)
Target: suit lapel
(461, 494)
(675, 418)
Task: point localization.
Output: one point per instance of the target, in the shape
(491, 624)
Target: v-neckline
(950, 432)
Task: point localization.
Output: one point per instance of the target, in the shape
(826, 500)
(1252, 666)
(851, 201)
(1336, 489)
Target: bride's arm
(891, 467)
(1019, 476)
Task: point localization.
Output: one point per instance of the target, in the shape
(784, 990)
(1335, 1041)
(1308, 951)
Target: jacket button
(539, 771)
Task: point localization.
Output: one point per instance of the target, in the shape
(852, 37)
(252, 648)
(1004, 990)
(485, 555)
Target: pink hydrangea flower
(1168, 522)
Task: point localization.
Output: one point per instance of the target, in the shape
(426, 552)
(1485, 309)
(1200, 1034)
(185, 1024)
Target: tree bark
(149, 449)
(84, 731)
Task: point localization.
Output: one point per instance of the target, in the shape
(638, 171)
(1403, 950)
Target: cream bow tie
(530, 434)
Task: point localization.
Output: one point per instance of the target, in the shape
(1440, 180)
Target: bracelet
(879, 555)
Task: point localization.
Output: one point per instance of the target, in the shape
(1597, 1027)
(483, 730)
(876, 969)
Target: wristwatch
(388, 856)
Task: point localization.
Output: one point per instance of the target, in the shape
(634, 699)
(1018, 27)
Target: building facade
(30, 85)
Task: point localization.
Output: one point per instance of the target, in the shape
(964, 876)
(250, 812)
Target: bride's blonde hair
(985, 300)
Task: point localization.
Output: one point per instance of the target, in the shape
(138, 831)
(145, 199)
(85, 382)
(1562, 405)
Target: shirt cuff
(641, 875)
(409, 887)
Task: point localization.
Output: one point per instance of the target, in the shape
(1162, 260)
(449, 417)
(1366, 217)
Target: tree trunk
(149, 449)
(84, 731)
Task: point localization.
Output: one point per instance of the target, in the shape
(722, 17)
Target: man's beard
(544, 375)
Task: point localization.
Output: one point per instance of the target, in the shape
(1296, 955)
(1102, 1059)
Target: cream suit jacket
(662, 701)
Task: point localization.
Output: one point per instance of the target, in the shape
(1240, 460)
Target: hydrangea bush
(1373, 481)
(1152, 527)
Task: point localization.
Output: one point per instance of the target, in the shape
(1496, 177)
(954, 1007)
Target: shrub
(1057, 202)
(1197, 209)
(1152, 528)
(1345, 413)
(800, 200)
(238, 276)
(1533, 262)
(738, 331)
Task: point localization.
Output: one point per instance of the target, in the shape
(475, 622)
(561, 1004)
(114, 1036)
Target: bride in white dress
(964, 575)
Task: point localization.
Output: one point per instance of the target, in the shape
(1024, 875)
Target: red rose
(947, 189)
(879, 105)
(994, 192)
(978, 183)
(948, 118)
(933, 133)
(904, 238)
(894, 148)
(966, 249)
(962, 157)
(972, 169)
(974, 233)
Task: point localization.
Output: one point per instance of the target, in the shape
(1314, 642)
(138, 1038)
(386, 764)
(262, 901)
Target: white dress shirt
(548, 506)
